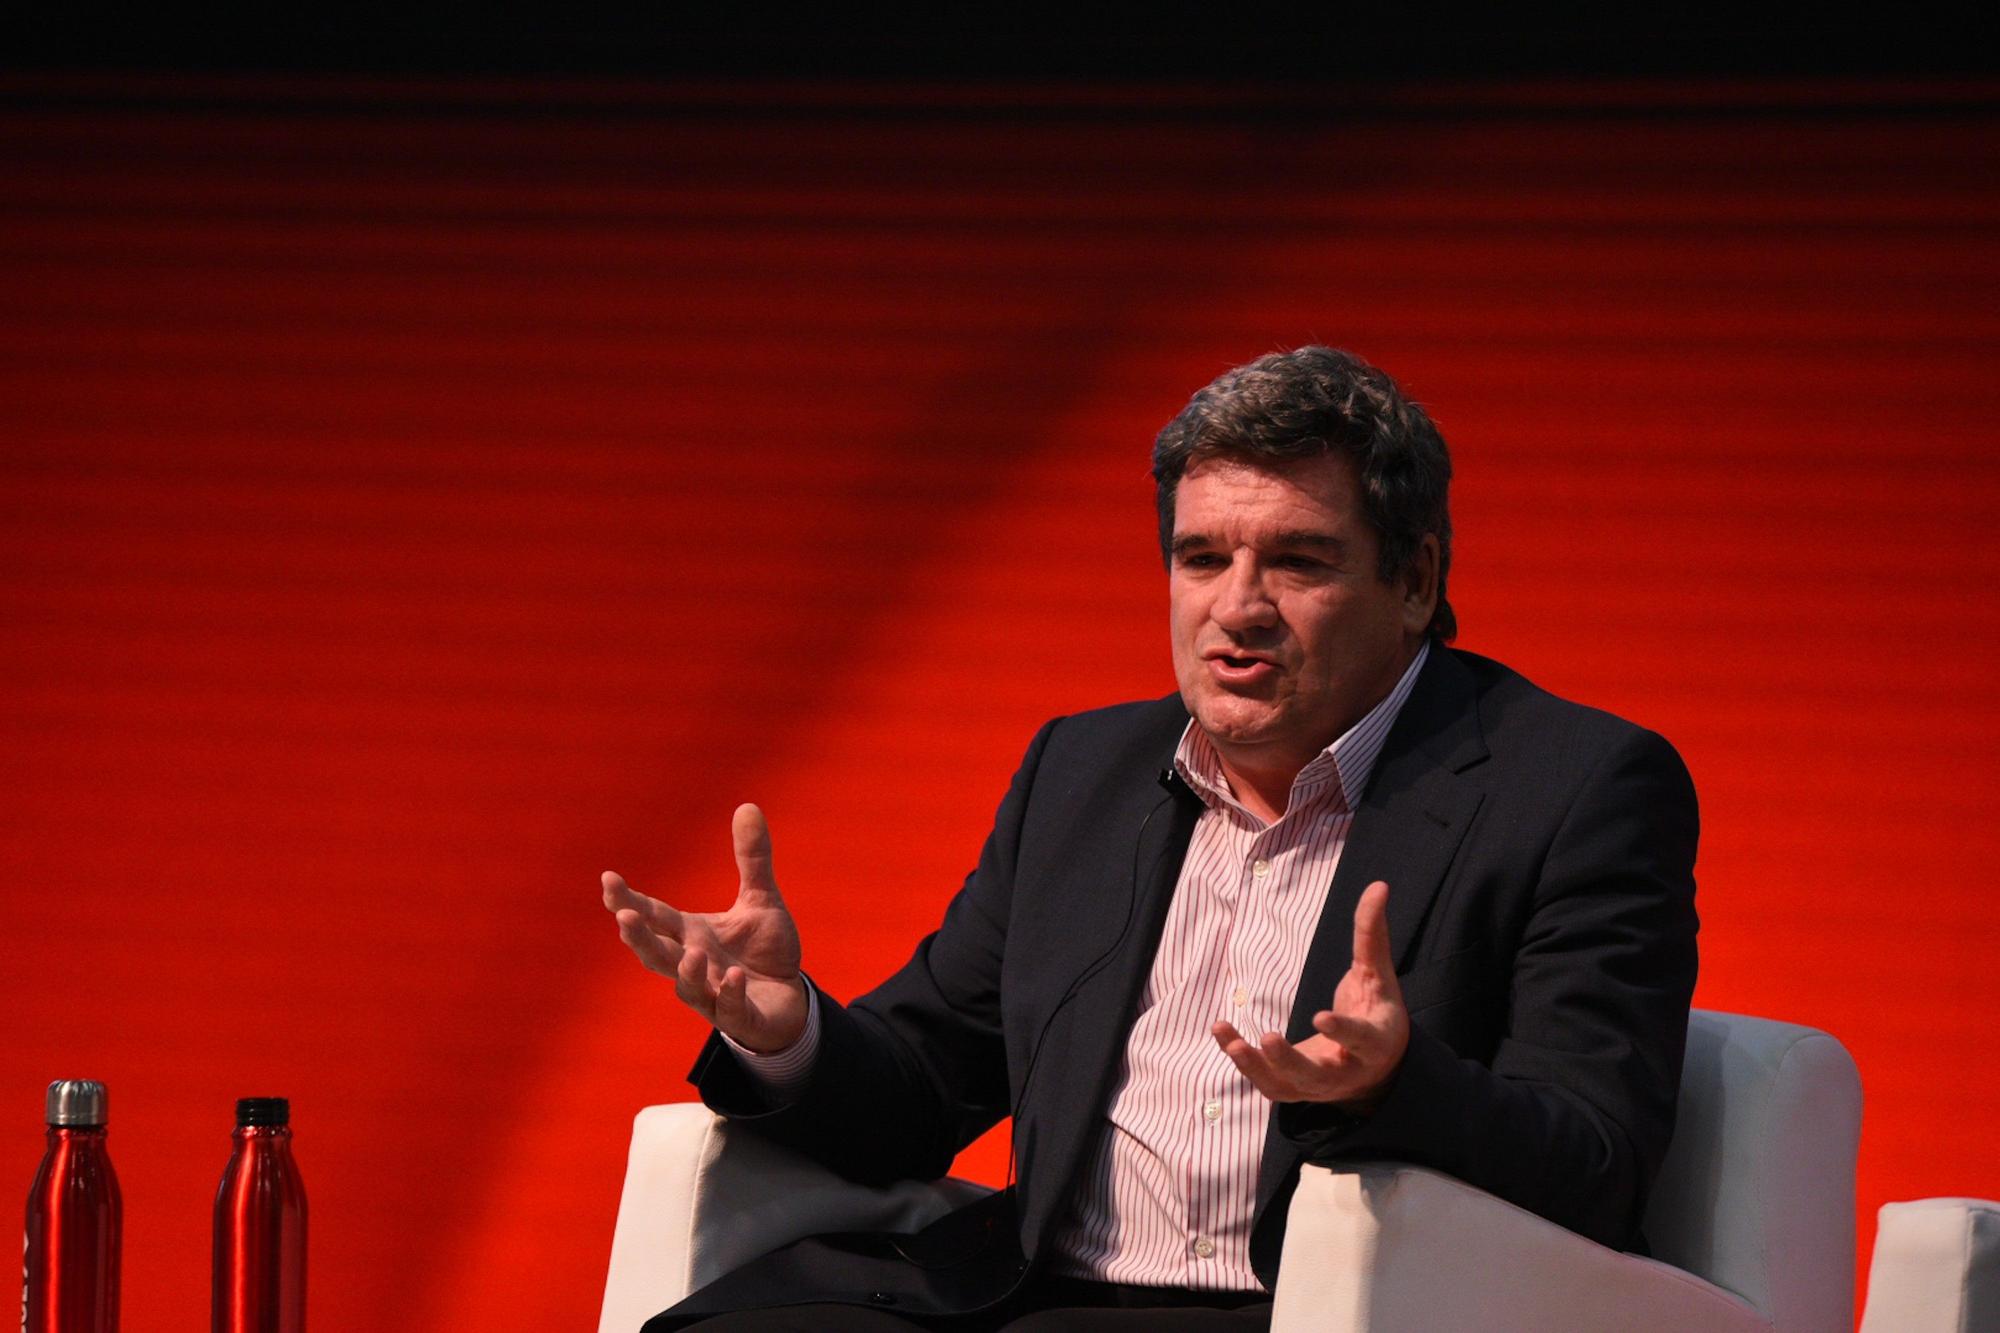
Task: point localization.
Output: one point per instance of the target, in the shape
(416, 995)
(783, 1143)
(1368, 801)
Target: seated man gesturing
(1350, 895)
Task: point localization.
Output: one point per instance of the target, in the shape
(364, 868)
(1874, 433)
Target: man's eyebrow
(1188, 542)
(1307, 537)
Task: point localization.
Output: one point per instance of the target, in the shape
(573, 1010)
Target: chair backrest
(1757, 1191)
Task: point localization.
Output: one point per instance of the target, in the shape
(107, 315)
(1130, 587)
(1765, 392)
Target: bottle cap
(254, 1111)
(76, 1101)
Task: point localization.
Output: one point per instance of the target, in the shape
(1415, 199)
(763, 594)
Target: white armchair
(703, 1196)
(1936, 1268)
(1752, 1218)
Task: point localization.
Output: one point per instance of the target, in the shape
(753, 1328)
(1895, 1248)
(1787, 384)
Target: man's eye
(1201, 560)
(1304, 563)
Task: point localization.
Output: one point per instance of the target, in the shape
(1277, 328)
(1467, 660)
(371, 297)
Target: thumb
(1371, 932)
(753, 856)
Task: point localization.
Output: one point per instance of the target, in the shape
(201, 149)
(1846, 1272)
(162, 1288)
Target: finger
(732, 1004)
(1371, 932)
(753, 855)
(618, 896)
(1289, 1063)
(692, 985)
(1350, 1034)
(1249, 1061)
(1235, 1045)
(656, 952)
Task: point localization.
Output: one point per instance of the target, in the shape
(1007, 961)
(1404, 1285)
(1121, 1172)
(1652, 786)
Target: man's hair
(1321, 400)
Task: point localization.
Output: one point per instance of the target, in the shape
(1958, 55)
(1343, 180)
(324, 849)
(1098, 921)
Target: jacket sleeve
(916, 1069)
(1571, 1117)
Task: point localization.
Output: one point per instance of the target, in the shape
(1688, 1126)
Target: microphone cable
(984, 1231)
(1176, 789)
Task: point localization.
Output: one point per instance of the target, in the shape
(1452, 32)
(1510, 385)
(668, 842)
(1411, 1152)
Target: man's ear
(1420, 586)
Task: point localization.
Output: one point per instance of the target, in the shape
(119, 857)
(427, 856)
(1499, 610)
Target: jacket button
(881, 1298)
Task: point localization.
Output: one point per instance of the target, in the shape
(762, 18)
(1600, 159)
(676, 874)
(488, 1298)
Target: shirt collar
(1345, 765)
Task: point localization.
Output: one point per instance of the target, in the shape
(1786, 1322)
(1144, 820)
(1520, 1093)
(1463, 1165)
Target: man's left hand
(1356, 1045)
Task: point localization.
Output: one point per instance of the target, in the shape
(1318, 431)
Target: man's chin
(1244, 724)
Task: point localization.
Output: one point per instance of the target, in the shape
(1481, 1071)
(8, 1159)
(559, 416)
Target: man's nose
(1243, 602)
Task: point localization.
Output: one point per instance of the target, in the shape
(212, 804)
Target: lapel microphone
(1176, 786)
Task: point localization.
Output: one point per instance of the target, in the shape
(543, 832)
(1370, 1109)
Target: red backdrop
(420, 498)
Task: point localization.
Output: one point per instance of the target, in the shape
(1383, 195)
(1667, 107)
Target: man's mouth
(1239, 657)
(1241, 669)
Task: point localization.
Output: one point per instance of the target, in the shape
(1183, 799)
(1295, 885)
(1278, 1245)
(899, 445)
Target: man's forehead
(1327, 477)
(1292, 498)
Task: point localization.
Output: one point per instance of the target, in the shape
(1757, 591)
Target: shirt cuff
(783, 1074)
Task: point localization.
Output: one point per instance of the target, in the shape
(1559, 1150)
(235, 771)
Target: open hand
(738, 969)
(1356, 1045)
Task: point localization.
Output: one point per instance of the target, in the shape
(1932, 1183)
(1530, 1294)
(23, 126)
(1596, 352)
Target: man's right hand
(738, 969)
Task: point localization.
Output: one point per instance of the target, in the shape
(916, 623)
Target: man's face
(1284, 634)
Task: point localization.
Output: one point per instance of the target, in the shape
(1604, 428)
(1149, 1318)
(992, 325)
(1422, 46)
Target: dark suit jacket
(1540, 861)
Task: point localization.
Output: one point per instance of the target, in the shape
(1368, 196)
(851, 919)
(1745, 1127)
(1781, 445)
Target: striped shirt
(1167, 1198)
(1167, 1194)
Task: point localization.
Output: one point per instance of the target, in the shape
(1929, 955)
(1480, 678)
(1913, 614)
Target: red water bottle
(260, 1226)
(70, 1278)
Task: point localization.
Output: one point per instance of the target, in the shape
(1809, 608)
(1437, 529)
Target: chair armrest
(1387, 1248)
(1936, 1267)
(703, 1196)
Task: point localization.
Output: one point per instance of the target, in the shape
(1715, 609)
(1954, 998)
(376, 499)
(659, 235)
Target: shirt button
(1204, 1247)
(1260, 868)
(1212, 1108)
(1239, 997)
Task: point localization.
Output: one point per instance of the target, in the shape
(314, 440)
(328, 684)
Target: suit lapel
(1412, 818)
(1087, 1038)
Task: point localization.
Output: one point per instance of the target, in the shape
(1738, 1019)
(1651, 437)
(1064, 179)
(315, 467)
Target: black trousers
(1051, 1305)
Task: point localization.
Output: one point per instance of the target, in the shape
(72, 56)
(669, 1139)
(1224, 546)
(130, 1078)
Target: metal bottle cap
(263, 1111)
(76, 1101)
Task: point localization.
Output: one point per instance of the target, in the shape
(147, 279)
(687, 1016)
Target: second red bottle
(260, 1226)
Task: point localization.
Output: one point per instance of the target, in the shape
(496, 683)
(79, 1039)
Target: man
(1352, 895)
